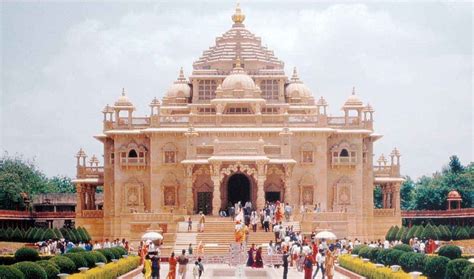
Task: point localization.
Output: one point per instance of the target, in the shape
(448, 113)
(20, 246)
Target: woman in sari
(172, 262)
(200, 249)
(250, 252)
(258, 258)
(278, 213)
(330, 259)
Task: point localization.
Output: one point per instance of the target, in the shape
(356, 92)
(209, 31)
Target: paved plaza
(224, 271)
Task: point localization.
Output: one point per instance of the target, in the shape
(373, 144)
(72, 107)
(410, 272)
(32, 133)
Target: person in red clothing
(308, 266)
(258, 258)
(314, 249)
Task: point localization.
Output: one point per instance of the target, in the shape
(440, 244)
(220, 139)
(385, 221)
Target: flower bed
(110, 270)
(369, 269)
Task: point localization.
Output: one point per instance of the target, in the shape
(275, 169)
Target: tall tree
(455, 165)
(407, 194)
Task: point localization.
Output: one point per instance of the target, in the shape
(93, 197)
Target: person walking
(147, 267)
(287, 212)
(190, 249)
(285, 264)
(258, 258)
(201, 267)
(250, 252)
(183, 262)
(320, 263)
(202, 220)
(172, 264)
(329, 265)
(155, 267)
(190, 224)
(308, 266)
(196, 270)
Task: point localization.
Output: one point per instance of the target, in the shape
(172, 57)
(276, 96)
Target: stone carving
(307, 195)
(170, 196)
(236, 168)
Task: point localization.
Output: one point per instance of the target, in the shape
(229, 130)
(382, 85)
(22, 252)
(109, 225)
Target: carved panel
(307, 195)
(170, 195)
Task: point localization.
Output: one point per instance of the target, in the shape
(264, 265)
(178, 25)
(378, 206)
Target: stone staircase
(218, 235)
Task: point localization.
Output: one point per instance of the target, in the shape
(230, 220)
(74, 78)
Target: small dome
(353, 101)
(180, 87)
(123, 100)
(238, 79)
(296, 88)
(454, 195)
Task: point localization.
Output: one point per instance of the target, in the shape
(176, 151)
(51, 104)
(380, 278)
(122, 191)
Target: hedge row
(41, 234)
(448, 264)
(111, 270)
(31, 265)
(429, 231)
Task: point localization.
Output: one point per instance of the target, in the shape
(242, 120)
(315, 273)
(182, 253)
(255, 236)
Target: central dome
(238, 79)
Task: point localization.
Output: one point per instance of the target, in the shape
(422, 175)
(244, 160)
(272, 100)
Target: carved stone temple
(238, 129)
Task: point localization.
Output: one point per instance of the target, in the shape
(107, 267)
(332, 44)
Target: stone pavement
(224, 271)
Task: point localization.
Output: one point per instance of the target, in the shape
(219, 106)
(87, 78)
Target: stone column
(189, 189)
(287, 178)
(216, 195)
(80, 200)
(261, 176)
(396, 197)
(93, 189)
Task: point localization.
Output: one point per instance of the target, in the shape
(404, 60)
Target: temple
(238, 129)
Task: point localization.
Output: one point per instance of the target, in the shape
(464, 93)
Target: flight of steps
(168, 243)
(218, 235)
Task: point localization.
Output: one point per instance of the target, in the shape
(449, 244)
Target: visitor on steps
(288, 210)
(155, 267)
(250, 255)
(201, 267)
(258, 258)
(172, 267)
(285, 264)
(202, 220)
(196, 270)
(190, 249)
(190, 224)
(183, 262)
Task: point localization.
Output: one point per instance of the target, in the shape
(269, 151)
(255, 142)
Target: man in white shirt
(96, 246)
(107, 243)
(320, 260)
(276, 231)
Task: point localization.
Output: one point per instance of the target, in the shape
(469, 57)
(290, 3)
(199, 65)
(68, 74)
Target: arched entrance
(238, 189)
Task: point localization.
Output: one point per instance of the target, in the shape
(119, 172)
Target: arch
(344, 153)
(132, 153)
(169, 153)
(238, 188)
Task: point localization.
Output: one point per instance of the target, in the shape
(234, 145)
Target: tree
(407, 194)
(62, 184)
(455, 165)
(377, 197)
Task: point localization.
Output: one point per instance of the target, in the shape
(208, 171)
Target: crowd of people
(61, 246)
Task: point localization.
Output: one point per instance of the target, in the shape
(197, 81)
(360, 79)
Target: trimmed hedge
(411, 261)
(107, 254)
(10, 272)
(450, 251)
(364, 252)
(468, 272)
(42, 234)
(374, 253)
(435, 267)
(455, 268)
(31, 270)
(27, 254)
(76, 250)
(357, 248)
(78, 259)
(403, 247)
(440, 232)
(99, 257)
(111, 270)
(393, 257)
(65, 264)
(90, 259)
(51, 269)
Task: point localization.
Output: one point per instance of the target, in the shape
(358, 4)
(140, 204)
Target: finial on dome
(353, 90)
(295, 77)
(181, 75)
(238, 17)
(123, 91)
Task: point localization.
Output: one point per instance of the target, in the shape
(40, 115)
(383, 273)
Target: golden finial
(123, 91)
(295, 77)
(353, 90)
(238, 17)
(181, 75)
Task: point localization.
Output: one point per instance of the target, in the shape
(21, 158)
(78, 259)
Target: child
(196, 270)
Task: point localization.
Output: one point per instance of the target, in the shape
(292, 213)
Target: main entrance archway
(238, 189)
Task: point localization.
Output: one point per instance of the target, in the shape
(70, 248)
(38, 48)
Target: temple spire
(123, 91)
(353, 90)
(238, 17)
(181, 77)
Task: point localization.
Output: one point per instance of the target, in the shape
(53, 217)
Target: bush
(7, 260)
(90, 259)
(2, 235)
(76, 250)
(31, 270)
(49, 234)
(99, 258)
(10, 272)
(411, 261)
(58, 233)
(374, 253)
(89, 238)
(393, 233)
(393, 257)
(78, 259)
(429, 233)
(51, 269)
(455, 268)
(400, 233)
(369, 270)
(411, 232)
(77, 235)
(357, 248)
(404, 238)
(38, 235)
(122, 250)
(435, 267)
(82, 234)
(107, 254)
(450, 251)
(471, 232)
(17, 235)
(117, 252)
(382, 256)
(65, 264)
(389, 232)
(419, 231)
(110, 271)
(26, 254)
(462, 234)
(403, 247)
(468, 272)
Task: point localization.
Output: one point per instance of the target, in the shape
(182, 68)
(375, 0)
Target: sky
(62, 62)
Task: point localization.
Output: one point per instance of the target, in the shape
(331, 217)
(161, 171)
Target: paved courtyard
(224, 271)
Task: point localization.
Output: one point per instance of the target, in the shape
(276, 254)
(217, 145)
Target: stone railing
(55, 215)
(90, 172)
(152, 217)
(344, 161)
(87, 213)
(324, 216)
(384, 212)
(453, 213)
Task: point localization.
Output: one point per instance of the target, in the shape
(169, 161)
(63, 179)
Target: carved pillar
(396, 197)
(261, 176)
(216, 195)
(189, 189)
(92, 191)
(80, 200)
(288, 196)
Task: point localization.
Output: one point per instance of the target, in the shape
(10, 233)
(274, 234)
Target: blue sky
(63, 62)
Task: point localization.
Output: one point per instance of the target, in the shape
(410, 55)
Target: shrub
(471, 232)
(30, 235)
(8, 234)
(122, 250)
(382, 256)
(369, 270)
(411, 261)
(2, 235)
(76, 250)
(38, 235)
(26, 254)
(468, 272)
(89, 238)
(90, 259)
(49, 234)
(411, 232)
(51, 269)
(17, 235)
(65, 264)
(110, 271)
(99, 258)
(117, 252)
(429, 233)
(393, 233)
(10, 272)
(7, 260)
(455, 268)
(71, 236)
(31, 270)
(78, 259)
(107, 254)
(364, 252)
(393, 257)
(450, 251)
(462, 233)
(419, 231)
(58, 233)
(77, 235)
(389, 232)
(400, 233)
(404, 238)
(435, 267)
(403, 247)
(82, 234)
(357, 248)
(374, 253)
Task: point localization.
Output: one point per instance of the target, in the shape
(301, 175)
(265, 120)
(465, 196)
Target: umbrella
(325, 235)
(152, 236)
